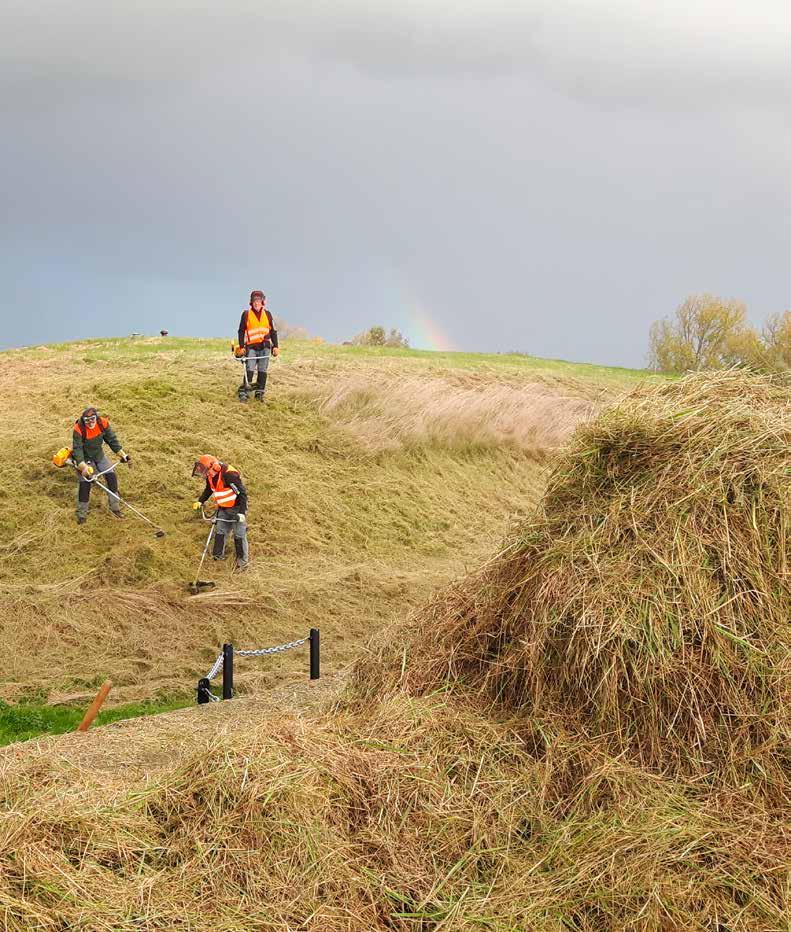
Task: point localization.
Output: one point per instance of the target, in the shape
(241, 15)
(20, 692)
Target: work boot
(218, 550)
(116, 514)
(81, 519)
(240, 546)
(260, 387)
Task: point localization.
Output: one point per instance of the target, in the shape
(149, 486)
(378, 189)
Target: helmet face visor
(199, 470)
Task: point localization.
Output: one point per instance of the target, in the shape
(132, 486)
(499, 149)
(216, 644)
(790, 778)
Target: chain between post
(260, 652)
(215, 668)
(224, 662)
(270, 650)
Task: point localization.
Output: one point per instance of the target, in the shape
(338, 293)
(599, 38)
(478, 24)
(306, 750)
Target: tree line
(707, 332)
(378, 336)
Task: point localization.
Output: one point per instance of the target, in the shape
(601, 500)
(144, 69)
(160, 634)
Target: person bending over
(224, 484)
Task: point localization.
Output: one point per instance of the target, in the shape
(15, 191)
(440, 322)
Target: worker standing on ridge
(90, 432)
(258, 337)
(224, 483)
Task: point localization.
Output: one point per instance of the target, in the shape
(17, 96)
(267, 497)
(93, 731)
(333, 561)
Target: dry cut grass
(341, 538)
(414, 815)
(588, 734)
(648, 601)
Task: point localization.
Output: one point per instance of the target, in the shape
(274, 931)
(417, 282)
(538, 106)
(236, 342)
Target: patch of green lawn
(29, 720)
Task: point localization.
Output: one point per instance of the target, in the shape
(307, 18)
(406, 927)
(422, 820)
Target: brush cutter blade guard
(62, 457)
(200, 585)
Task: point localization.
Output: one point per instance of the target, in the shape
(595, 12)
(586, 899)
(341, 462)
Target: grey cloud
(539, 177)
(668, 54)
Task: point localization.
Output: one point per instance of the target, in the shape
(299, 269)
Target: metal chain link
(216, 668)
(254, 653)
(270, 650)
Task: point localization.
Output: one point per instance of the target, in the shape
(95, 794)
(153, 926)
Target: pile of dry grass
(415, 815)
(648, 602)
(393, 410)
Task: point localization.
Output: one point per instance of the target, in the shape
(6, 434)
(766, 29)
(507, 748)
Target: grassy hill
(589, 731)
(375, 475)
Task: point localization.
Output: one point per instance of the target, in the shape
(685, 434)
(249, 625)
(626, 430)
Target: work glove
(242, 519)
(196, 506)
(275, 351)
(124, 457)
(85, 469)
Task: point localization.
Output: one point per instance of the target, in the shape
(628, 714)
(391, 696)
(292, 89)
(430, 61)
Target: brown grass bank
(586, 735)
(648, 601)
(345, 534)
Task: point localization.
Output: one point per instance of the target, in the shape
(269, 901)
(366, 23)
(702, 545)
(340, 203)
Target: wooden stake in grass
(93, 709)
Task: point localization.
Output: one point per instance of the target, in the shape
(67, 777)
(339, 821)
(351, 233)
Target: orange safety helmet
(205, 466)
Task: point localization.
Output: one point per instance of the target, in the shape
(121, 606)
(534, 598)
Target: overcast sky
(545, 176)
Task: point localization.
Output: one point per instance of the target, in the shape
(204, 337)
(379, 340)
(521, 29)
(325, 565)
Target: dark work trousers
(257, 358)
(84, 489)
(227, 523)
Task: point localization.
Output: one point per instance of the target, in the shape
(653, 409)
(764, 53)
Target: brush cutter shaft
(243, 359)
(216, 516)
(203, 555)
(130, 507)
(118, 498)
(99, 474)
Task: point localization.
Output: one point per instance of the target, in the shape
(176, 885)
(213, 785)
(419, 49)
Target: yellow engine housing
(62, 456)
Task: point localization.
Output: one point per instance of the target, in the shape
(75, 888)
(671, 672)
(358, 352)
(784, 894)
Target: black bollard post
(204, 691)
(227, 671)
(314, 653)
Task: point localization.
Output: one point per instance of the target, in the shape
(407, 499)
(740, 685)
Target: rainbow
(425, 333)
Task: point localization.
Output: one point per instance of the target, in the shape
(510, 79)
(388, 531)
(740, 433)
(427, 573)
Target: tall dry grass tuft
(648, 601)
(388, 411)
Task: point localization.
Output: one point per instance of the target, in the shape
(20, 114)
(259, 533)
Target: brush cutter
(64, 458)
(240, 355)
(198, 584)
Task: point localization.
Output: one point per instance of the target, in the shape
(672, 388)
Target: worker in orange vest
(258, 337)
(224, 484)
(91, 432)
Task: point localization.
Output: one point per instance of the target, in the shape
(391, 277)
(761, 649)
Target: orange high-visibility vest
(256, 329)
(224, 496)
(88, 433)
